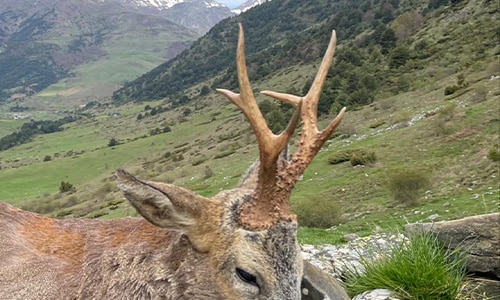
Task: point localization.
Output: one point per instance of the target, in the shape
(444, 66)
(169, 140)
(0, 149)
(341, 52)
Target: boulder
(318, 285)
(478, 235)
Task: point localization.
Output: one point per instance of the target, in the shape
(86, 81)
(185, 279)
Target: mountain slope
(435, 108)
(94, 45)
(196, 15)
(379, 42)
(266, 25)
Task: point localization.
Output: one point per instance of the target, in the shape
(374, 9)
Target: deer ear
(163, 205)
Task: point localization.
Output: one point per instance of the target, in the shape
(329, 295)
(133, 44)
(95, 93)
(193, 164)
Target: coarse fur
(43, 258)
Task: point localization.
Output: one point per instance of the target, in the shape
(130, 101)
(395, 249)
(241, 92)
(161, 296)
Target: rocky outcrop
(332, 261)
(479, 236)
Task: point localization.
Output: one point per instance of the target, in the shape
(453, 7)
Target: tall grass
(422, 269)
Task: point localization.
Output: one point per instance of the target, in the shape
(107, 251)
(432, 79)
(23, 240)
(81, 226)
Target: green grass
(464, 181)
(7, 126)
(421, 269)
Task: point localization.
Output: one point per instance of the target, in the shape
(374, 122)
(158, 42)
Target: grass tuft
(420, 269)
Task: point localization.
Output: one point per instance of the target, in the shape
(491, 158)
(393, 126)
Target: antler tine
(270, 145)
(312, 139)
(270, 202)
(266, 206)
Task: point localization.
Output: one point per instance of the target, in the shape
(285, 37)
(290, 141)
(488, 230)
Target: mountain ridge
(43, 43)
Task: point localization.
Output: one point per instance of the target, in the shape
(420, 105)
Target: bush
(320, 212)
(66, 187)
(113, 142)
(494, 154)
(362, 158)
(47, 158)
(208, 172)
(407, 185)
(355, 156)
(451, 89)
(419, 269)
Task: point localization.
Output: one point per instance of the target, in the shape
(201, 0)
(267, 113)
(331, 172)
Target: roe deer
(239, 244)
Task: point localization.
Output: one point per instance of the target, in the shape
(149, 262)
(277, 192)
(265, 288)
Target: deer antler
(270, 202)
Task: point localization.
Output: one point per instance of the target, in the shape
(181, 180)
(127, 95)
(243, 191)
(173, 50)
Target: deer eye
(246, 277)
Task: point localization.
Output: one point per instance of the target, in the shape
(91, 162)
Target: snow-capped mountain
(247, 5)
(166, 4)
(158, 4)
(196, 15)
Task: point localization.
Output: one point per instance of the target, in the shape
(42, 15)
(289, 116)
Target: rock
(478, 235)
(318, 285)
(378, 294)
(488, 288)
(350, 237)
(433, 217)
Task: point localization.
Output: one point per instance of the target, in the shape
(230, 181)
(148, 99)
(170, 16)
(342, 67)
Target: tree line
(30, 129)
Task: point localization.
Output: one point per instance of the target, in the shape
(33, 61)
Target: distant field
(7, 126)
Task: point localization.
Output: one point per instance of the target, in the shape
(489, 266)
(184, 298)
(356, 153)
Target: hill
(67, 53)
(432, 113)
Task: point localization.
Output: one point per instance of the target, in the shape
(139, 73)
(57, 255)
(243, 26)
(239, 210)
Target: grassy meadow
(447, 137)
(451, 140)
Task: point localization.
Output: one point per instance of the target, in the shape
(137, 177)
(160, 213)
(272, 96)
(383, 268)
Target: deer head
(247, 236)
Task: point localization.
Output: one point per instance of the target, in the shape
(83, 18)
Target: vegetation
(422, 268)
(410, 124)
(355, 156)
(319, 212)
(354, 81)
(66, 187)
(28, 130)
(407, 185)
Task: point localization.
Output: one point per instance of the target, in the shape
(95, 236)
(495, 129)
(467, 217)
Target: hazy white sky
(231, 3)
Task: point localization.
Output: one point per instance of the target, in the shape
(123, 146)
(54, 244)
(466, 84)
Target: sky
(232, 3)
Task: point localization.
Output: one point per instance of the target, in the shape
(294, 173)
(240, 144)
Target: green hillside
(424, 108)
(60, 54)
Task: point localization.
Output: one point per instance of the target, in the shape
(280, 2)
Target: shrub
(47, 158)
(208, 172)
(451, 89)
(319, 211)
(340, 157)
(66, 187)
(407, 185)
(437, 127)
(113, 142)
(419, 269)
(494, 154)
(355, 156)
(199, 161)
(224, 154)
(447, 111)
(155, 131)
(362, 158)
